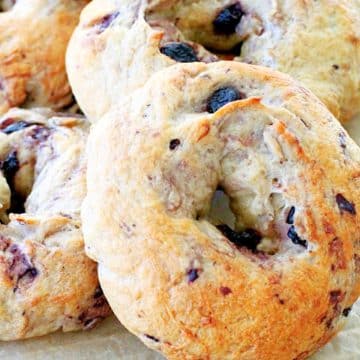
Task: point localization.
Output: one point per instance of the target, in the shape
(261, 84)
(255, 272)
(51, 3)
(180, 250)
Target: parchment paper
(111, 341)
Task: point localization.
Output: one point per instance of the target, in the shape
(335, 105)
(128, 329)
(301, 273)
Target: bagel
(47, 282)
(279, 282)
(118, 45)
(33, 38)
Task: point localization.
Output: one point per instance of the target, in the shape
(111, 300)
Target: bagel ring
(47, 282)
(33, 38)
(276, 286)
(118, 45)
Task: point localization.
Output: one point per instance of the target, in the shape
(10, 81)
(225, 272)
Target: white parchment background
(111, 341)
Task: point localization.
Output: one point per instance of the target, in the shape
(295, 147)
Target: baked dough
(47, 282)
(33, 38)
(120, 44)
(278, 286)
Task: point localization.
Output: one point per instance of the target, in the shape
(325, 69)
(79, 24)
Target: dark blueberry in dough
(346, 312)
(17, 203)
(221, 97)
(225, 290)
(290, 217)
(106, 21)
(336, 296)
(345, 205)
(193, 275)
(174, 144)
(228, 19)
(40, 133)
(16, 126)
(99, 298)
(179, 52)
(153, 338)
(10, 166)
(295, 238)
(100, 302)
(30, 274)
(98, 293)
(248, 238)
(342, 140)
(20, 267)
(236, 50)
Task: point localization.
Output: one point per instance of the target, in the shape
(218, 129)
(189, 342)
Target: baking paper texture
(111, 341)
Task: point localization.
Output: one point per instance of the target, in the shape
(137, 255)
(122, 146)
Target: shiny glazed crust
(33, 38)
(47, 282)
(171, 277)
(116, 47)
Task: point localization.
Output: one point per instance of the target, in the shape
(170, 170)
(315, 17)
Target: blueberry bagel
(46, 281)
(33, 38)
(278, 283)
(120, 44)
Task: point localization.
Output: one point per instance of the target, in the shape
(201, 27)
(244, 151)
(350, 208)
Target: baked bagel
(46, 281)
(277, 283)
(120, 44)
(33, 38)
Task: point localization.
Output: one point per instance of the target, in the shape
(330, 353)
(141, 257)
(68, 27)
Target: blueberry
(174, 144)
(346, 312)
(193, 275)
(336, 296)
(16, 126)
(10, 166)
(17, 202)
(290, 217)
(106, 21)
(98, 293)
(248, 238)
(30, 273)
(225, 290)
(345, 205)
(295, 238)
(179, 52)
(228, 19)
(153, 338)
(20, 267)
(342, 140)
(221, 97)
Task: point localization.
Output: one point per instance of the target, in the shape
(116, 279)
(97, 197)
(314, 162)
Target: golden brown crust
(172, 278)
(47, 282)
(33, 39)
(116, 47)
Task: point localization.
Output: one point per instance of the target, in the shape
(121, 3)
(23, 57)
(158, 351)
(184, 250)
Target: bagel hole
(223, 218)
(220, 212)
(219, 37)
